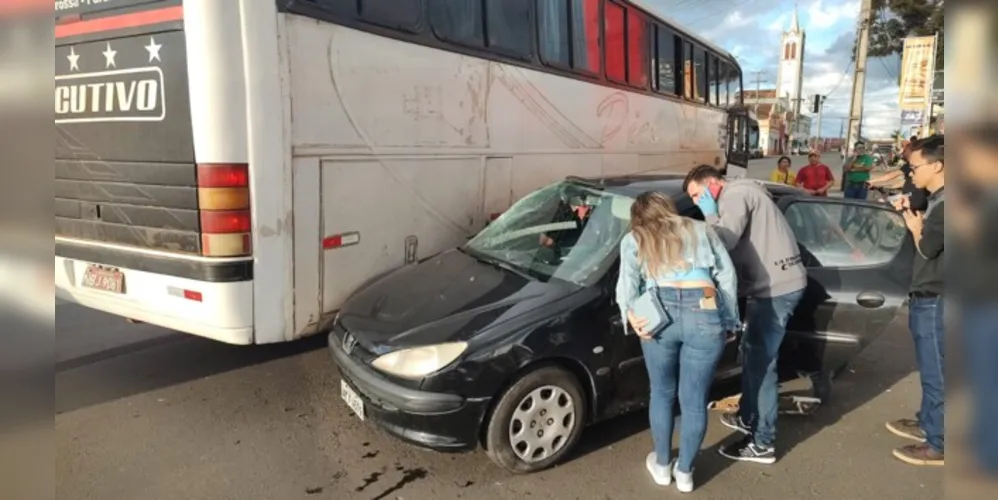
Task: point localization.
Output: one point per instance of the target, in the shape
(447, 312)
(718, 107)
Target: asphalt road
(143, 413)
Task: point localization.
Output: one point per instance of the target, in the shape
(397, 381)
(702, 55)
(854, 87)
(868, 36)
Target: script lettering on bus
(616, 108)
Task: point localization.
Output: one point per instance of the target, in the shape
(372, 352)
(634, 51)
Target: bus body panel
(269, 153)
(417, 147)
(225, 312)
(127, 195)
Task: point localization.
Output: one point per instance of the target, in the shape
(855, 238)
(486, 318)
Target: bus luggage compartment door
(372, 209)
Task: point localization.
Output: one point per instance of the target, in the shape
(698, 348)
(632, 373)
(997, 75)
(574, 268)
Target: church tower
(790, 80)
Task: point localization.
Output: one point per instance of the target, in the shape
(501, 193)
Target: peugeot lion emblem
(349, 342)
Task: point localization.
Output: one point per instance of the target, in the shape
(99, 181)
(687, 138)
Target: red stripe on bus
(122, 21)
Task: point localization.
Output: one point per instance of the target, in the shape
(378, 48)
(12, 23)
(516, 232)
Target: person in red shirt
(816, 178)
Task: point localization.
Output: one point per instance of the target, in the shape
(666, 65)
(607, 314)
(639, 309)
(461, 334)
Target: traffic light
(816, 104)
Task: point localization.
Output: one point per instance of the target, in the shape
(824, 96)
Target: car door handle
(871, 300)
(616, 321)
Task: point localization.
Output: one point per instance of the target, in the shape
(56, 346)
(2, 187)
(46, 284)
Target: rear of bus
(147, 225)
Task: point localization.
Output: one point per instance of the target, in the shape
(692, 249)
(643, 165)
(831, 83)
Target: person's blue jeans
(767, 320)
(980, 334)
(856, 190)
(925, 320)
(682, 356)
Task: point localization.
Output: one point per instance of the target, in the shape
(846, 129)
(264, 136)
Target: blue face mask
(707, 203)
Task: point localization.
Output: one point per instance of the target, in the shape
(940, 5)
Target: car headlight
(419, 362)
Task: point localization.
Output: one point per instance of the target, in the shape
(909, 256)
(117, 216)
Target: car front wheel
(537, 421)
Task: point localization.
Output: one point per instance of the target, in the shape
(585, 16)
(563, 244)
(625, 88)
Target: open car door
(858, 256)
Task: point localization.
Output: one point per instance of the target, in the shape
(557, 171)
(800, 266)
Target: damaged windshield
(565, 231)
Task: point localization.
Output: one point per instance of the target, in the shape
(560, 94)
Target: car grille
(347, 341)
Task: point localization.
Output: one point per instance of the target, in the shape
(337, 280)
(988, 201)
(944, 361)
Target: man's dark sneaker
(919, 454)
(907, 428)
(733, 421)
(747, 451)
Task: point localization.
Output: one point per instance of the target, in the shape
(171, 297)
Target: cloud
(820, 16)
(751, 30)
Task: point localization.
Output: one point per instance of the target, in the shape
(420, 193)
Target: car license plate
(102, 278)
(352, 399)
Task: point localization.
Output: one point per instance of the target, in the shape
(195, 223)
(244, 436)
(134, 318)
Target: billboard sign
(916, 72)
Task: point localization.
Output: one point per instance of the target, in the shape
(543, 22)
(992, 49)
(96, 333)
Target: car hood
(447, 298)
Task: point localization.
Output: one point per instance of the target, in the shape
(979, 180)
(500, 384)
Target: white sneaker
(684, 480)
(662, 474)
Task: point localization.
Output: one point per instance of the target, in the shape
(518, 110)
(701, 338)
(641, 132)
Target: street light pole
(859, 76)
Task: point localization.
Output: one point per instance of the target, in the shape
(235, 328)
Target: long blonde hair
(658, 229)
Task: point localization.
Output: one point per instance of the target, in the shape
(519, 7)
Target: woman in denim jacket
(694, 278)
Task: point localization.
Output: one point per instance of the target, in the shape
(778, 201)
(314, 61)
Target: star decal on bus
(153, 49)
(109, 56)
(74, 59)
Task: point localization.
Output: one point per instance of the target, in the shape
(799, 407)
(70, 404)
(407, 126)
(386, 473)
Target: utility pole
(859, 76)
(758, 90)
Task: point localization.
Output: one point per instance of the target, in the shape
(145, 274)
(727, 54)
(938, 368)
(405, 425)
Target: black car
(513, 341)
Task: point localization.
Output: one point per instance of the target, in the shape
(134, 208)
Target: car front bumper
(442, 422)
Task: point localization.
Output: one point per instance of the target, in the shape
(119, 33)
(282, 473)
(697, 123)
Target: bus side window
(700, 73)
(616, 44)
(637, 49)
(405, 15)
(510, 27)
(688, 70)
(554, 29)
(666, 44)
(715, 80)
(458, 21)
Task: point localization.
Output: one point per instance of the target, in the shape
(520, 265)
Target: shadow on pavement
(879, 367)
(157, 363)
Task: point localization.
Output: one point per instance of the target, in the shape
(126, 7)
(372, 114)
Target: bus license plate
(102, 278)
(352, 399)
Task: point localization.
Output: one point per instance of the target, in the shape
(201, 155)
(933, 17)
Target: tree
(893, 20)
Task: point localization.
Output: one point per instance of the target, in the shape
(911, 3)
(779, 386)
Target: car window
(843, 235)
(565, 231)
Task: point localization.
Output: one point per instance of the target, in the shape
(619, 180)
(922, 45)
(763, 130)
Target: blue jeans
(767, 320)
(855, 190)
(980, 335)
(683, 355)
(925, 320)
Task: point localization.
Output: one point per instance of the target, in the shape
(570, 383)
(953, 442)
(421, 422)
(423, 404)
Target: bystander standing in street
(772, 278)
(926, 310)
(782, 173)
(815, 178)
(857, 172)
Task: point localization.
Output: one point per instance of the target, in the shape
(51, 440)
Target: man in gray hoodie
(772, 279)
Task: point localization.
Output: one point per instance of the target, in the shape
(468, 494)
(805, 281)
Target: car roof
(667, 184)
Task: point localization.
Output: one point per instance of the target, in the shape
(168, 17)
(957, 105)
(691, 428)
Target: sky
(751, 29)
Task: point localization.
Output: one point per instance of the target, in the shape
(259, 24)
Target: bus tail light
(224, 205)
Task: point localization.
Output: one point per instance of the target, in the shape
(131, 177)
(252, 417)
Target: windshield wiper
(494, 262)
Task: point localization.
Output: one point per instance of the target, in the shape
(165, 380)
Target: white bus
(236, 169)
